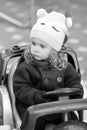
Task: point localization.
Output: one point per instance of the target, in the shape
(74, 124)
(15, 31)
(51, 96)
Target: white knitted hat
(51, 28)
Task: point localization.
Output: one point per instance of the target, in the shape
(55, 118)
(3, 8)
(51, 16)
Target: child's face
(39, 49)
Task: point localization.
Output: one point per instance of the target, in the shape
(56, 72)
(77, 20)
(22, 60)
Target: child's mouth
(36, 56)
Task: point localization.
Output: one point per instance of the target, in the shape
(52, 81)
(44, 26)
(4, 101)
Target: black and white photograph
(43, 64)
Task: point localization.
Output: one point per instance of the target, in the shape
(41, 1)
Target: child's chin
(37, 58)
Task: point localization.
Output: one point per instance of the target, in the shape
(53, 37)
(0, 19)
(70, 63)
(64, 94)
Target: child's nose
(37, 48)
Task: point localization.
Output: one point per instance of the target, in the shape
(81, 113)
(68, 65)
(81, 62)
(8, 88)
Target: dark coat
(29, 78)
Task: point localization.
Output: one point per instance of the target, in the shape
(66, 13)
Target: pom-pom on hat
(51, 28)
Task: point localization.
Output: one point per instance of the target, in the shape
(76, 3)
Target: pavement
(20, 12)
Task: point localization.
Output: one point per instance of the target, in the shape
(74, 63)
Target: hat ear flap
(41, 13)
(68, 19)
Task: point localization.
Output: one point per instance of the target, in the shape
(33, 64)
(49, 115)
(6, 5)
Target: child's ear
(65, 39)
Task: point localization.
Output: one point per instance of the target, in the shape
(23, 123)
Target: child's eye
(33, 43)
(42, 46)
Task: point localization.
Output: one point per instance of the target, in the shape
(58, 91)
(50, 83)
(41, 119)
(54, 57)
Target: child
(44, 69)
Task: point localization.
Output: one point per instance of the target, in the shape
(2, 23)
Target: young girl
(43, 68)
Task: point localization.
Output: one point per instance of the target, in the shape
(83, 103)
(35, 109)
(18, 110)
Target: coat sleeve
(72, 79)
(22, 86)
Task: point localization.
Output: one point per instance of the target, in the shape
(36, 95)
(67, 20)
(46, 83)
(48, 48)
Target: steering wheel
(62, 92)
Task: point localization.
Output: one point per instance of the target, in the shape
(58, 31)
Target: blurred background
(18, 16)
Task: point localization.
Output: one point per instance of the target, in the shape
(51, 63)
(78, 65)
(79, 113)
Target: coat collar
(40, 64)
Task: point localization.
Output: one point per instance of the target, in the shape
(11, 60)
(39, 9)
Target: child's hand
(38, 97)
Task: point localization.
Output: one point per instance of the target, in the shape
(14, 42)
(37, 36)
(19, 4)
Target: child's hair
(56, 60)
(65, 39)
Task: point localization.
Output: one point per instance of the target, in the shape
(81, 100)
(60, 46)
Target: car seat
(6, 111)
(12, 96)
(16, 116)
(6, 127)
(9, 114)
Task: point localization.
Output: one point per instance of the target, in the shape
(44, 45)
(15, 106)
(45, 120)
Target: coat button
(46, 81)
(59, 79)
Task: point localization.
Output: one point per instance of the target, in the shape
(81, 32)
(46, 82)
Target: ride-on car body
(9, 60)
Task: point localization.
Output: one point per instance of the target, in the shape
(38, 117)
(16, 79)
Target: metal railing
(18, 23)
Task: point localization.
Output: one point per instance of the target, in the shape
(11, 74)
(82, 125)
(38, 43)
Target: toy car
(9, 60)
